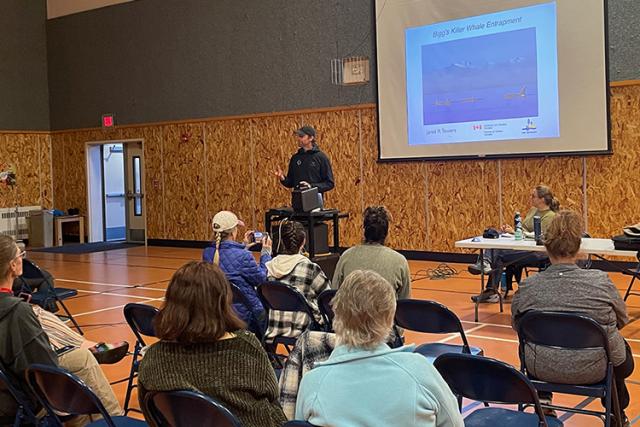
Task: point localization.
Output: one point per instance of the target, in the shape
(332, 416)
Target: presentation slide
(484, 78)
(463, 79)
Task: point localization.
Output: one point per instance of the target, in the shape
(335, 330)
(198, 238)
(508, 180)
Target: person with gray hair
(353, 386)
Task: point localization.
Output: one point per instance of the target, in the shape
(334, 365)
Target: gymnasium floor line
(116, 285)
(110, 294)
(113, 308)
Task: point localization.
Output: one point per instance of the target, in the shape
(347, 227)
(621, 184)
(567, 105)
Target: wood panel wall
(229, 164)
(30, 155)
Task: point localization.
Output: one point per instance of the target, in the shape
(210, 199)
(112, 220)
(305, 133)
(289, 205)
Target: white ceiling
(57, 8)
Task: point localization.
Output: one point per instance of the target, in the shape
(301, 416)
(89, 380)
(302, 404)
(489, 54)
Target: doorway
(115, 178)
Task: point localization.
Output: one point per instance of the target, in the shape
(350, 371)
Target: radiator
(8, 221)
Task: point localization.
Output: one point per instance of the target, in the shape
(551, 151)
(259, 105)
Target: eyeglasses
(22, 254)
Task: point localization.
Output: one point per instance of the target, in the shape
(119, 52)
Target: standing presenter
(309, 167)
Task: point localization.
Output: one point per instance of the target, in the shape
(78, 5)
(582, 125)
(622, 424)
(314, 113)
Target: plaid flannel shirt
(309, 279)
(311, 347)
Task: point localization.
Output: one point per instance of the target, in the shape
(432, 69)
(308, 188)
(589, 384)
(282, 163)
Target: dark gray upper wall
(24, 96)
(151, 60)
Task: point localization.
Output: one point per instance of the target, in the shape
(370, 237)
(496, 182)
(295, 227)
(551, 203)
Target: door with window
(134, 192)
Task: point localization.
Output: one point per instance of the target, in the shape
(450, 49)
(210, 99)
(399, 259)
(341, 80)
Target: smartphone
(258, 235)
(65, 349)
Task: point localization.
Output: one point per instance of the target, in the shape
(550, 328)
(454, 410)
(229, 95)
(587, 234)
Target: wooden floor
(108, 280)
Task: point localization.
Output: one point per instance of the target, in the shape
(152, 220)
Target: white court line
(113, 308)
(113, 285)
(511, 341)
(112, 294)
(509, 327)
(456, 335)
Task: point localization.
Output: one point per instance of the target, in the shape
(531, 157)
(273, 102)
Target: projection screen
(491, 78)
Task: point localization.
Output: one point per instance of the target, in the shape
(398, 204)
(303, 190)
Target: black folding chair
(576, 332)
(282, 297)
(324, 304)
(434, 318)
(24, 406)
(60, 391)
(187, 408)
(253, 324)
(140, 319)
(47, 294)
(492, 381)
(635, 274)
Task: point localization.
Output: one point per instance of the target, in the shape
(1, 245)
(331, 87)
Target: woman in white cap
(238, 264)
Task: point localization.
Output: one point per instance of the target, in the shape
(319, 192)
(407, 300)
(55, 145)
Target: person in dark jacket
(309, 167)
(24, 342)
(238, 264)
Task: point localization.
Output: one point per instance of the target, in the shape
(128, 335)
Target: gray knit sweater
(568, 288)
(236, 372)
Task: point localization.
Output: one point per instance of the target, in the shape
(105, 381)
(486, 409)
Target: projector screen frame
(605, 152)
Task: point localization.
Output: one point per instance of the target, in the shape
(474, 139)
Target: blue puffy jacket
(241, 269)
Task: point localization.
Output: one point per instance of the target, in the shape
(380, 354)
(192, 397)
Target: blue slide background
(480, 81)
(484, 78)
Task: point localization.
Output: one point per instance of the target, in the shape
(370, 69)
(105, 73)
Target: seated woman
(25, 342)
(202, 347)
(295, 269)
(565, 287)
(366, 383)
(238, 264)
(543, 205)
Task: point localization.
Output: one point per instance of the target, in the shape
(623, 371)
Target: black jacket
(23, 342)
(312, 166)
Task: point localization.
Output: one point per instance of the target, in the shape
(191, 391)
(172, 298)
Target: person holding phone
(238, 264)
(309, 167)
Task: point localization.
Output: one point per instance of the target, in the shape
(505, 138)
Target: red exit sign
(108, 121)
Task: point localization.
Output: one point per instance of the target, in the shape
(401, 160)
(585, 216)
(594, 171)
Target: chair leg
(132, 374)
(617, 411)
(66, 310)
(626, 295)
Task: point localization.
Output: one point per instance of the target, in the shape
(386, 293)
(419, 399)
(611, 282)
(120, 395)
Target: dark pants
(501, 257)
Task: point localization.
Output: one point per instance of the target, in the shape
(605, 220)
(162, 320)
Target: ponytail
(555, 205)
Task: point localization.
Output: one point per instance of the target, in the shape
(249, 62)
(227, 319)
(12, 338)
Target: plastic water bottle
(517, 226)
(503, 281)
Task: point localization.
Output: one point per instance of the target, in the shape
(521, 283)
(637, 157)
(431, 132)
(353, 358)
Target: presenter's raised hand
(278, 172)
(507, 229)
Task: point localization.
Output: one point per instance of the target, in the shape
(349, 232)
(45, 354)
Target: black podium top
(309, 219)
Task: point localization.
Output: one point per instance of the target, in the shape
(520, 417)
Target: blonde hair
(220, 236)
(563, 237)
(8, 253)
(364, 307)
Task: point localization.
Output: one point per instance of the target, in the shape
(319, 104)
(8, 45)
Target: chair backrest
(140, 319)
(59, 390)
(30, 270)
(429, 317)
(487, 380)
(282, 297)
(240, 298)
(186, 408)
(324, 304)
(559, 329)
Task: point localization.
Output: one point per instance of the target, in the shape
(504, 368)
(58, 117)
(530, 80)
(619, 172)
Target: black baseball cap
(306, 130)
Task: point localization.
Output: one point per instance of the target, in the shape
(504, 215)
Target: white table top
(588, 246)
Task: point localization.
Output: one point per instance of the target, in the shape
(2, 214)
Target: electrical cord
(441, 272)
